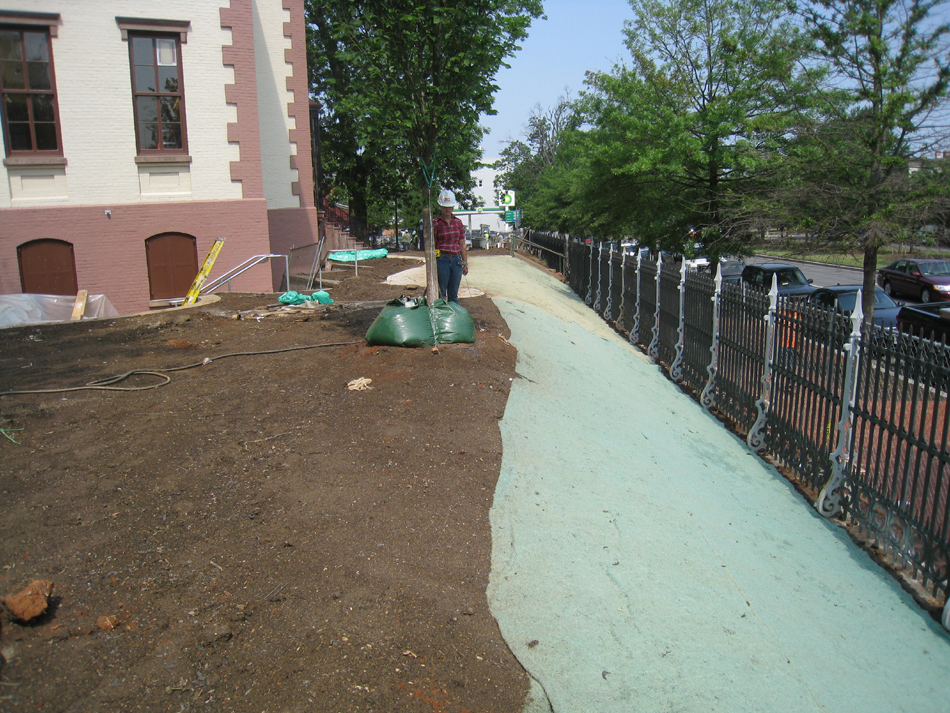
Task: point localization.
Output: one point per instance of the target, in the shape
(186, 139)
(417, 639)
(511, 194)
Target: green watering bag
(452, 323)
(410, 322)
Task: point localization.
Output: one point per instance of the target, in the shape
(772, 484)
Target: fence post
(610, 283)
(707, 398)
(623, 287)
(600, 261)
(566, 271)
(756, 437)
(676, 368)
(590, 281)
(828, 502)
(654, 349)
(635, 331)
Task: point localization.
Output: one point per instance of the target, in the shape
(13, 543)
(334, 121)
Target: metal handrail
(317, 267)
(244, 267)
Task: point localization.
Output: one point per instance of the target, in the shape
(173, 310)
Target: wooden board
(80, 306)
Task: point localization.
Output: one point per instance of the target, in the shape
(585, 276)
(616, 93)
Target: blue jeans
(449, 268)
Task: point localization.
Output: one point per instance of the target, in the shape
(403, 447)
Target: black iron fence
(858, 415)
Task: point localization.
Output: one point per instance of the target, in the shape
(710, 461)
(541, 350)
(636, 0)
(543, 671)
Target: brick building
(135, 133)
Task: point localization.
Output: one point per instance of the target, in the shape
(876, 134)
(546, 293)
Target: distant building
(136, 132)
(485, 191)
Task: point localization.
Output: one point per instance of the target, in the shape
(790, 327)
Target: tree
(890, 73)
(334, 81)
(523, 163)
(421, 75)
(711, 82)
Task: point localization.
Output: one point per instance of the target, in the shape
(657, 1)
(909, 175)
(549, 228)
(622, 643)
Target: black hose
(106, 384)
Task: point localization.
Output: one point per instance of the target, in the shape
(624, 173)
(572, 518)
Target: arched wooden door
(47, 267)
(172, 265)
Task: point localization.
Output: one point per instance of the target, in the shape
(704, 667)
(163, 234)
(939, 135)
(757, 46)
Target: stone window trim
(48, 20)
(35, 161)
(152, 159)
(147, 24)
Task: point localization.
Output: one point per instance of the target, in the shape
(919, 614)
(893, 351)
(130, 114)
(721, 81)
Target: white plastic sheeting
(31, 309)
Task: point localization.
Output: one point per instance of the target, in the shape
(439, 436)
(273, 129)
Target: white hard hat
(447, 198)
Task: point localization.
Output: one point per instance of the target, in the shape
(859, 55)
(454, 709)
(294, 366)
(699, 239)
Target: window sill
(39, 161)
(157, 159)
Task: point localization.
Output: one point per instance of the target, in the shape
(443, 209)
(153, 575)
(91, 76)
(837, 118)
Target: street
(824, 275)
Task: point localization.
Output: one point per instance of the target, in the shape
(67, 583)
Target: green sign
(510, 216)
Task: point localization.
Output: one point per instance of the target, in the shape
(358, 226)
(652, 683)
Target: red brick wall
(290, 228)
(243, 93)
(110, 252)
(299, 108)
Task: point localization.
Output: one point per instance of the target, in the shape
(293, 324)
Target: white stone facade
(245, 173)
(91, 62)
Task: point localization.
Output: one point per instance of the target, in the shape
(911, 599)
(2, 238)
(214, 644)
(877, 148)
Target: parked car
(927, 280)
(931, 321)
(791, 281)
(844, 297)
(731, 270)
(632, 250)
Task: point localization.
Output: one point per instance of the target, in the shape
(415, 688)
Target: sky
(577, 37)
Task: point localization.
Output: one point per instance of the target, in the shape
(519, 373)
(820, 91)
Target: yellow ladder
(202, 275)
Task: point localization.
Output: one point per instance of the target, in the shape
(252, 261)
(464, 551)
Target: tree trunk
(870, 284)
(358, 215)
(396, 237)
(432, 275)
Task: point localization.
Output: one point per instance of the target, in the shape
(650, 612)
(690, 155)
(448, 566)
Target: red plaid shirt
(449, 237)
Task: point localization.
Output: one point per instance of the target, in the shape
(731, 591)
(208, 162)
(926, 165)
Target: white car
(633, 249)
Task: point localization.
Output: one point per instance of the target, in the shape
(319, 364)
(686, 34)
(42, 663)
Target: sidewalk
(644, 559)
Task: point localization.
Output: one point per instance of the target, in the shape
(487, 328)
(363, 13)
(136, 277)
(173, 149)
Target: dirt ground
(254, 535)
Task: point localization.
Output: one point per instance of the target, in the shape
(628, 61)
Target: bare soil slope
(254, 535)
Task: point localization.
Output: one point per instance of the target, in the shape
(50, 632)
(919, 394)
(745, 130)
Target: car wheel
(888, 289)
(926, 296)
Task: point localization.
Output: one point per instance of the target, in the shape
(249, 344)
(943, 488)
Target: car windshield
(846, 300)
(732, 268)
(935, 268)
(790, 276)
(881, 299)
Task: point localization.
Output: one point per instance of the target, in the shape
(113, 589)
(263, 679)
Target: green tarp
(353, 255)
(295, 298)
